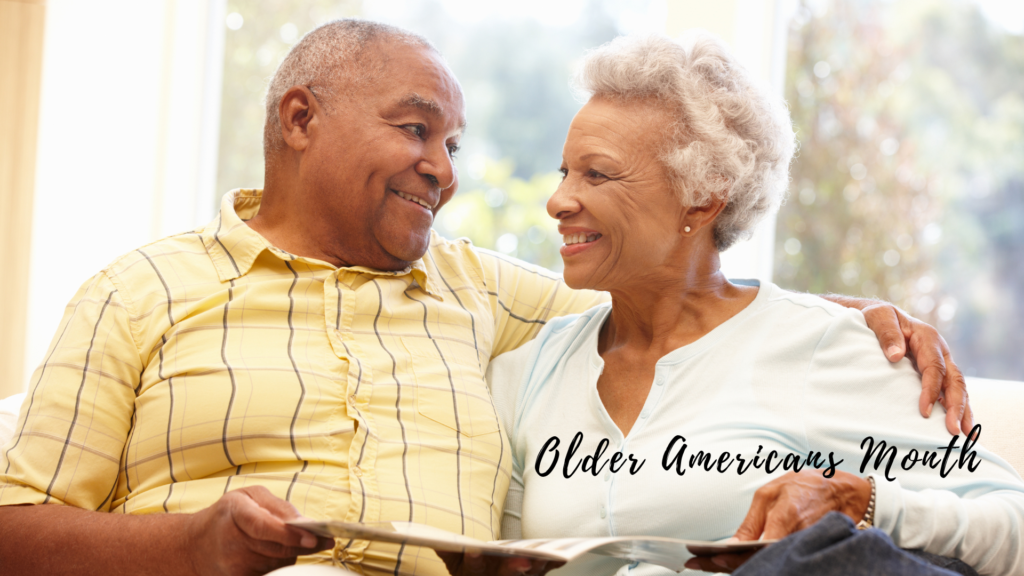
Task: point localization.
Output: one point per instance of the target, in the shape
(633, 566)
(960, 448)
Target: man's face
(380, 165)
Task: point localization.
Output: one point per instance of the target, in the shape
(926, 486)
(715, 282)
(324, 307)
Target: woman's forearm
(985, 532)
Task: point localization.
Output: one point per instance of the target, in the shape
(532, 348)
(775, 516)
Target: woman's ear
(696, 218)
(297, 109)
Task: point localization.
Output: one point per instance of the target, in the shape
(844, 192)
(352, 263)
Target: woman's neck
(659, 316)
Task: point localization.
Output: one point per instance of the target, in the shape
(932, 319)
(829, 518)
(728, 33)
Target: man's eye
(417, 129)
(564, 172)
(595, 174)
(453, 149)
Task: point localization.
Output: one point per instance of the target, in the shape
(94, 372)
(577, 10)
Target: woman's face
(619, 218)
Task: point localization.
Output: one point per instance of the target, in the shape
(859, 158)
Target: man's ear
(296, 111)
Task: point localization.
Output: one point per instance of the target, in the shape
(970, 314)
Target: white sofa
(998, 405)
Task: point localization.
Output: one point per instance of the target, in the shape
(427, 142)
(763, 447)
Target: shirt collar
(233, 246)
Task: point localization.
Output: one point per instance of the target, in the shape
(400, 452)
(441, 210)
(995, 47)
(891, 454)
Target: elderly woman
(675, 156)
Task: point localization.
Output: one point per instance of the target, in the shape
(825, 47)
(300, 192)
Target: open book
(668, 552)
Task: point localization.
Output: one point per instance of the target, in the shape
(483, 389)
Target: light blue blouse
(790, 374)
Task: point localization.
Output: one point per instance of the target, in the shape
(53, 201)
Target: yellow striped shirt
(211, 360)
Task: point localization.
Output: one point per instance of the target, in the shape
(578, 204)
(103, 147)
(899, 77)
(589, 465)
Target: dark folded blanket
(834, 547)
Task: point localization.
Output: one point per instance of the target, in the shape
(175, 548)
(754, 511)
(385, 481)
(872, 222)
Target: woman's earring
(686, 229)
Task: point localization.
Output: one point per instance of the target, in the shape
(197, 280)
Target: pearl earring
(686, 229)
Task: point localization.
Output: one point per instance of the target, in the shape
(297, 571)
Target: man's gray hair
(731, 140)
(331, 57)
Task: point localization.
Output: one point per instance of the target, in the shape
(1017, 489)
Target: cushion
(9, 408)
(997, 406)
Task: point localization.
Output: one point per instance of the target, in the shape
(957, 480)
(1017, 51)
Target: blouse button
(357, 471)
(645, 413)
(604, 512)
(659, 380)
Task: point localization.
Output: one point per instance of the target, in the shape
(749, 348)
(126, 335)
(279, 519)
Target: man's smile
(415, 199)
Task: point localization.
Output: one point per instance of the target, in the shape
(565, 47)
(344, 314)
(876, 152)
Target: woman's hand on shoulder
(897, 332)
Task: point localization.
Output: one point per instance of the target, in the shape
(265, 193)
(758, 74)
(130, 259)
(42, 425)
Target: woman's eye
(564, 172)
(595, 174)
(417, 129)
(453, 149)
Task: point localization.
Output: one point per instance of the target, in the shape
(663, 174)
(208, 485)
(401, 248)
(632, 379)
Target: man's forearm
(49, 539)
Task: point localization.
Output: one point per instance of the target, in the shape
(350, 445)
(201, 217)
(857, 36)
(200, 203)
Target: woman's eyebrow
(598, 155)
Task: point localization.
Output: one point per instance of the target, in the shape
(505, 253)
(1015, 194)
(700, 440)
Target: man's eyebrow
(427, 105)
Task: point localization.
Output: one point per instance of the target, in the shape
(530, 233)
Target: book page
(668, 552)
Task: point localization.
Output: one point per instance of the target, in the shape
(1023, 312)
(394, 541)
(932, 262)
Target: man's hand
(245, 533)
(789, 504)
(472, 564)
(940, 378)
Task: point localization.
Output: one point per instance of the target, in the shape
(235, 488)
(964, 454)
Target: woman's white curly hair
(731, 140)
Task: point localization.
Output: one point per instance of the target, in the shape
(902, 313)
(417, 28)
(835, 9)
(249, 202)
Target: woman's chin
(579, 279)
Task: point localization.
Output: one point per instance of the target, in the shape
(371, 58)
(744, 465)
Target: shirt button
(607, 476)
(604, 512)
(645, 413)
(659, 380)
(357, 471)
(352, 399)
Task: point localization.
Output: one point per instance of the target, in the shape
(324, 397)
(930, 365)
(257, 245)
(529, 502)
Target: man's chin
(410, 250)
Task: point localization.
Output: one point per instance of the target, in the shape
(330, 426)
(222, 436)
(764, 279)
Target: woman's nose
(563, 203)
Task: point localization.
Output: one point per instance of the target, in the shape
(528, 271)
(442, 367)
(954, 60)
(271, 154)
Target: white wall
(129, 118)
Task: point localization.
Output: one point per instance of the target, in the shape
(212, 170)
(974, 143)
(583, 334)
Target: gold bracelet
(869, 515)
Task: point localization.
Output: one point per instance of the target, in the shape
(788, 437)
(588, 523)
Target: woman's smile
(576, 241)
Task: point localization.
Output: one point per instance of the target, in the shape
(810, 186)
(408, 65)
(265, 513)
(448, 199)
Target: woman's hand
(940, 378)
(799, 499)
(789, 504)
(473, 564)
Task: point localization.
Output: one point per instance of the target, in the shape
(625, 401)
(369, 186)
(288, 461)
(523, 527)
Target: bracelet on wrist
(869, 515)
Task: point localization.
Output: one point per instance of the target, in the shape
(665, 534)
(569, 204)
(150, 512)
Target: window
(909, 184)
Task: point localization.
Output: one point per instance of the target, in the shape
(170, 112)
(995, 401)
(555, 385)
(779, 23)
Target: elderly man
(315, 350)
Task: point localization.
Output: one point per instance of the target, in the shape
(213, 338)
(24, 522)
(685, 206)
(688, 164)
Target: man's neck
(278, 224)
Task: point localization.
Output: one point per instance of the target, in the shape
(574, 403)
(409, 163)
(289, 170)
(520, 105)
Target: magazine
(671, 553)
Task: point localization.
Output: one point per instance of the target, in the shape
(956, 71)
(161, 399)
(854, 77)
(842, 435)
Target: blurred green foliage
(506, 213)
(909, 182)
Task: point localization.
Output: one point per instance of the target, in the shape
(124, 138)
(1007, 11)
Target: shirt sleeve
(524, 297)
(71, 432)
(505, 380)
(946, 506)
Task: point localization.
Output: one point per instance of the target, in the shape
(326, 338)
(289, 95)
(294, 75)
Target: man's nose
(563, 202)
(438, 166)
